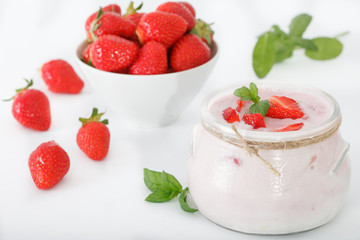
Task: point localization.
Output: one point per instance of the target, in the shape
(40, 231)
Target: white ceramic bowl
(147, 100)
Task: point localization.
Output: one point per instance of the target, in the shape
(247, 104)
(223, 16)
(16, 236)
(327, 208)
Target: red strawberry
(108, 23)
(162, 27)
(230, 115)
(31, 108)
(284, 107)
(256, 120)
(112, 8)
(239, 104)
(132, 14)
(204, 31)
(48, 164)
(152, 59)
(292, 127)
(86, 54)
(179, 9)
(189, 7)
(112, 53)
(60, 77)
(93, 137)
(189, 52)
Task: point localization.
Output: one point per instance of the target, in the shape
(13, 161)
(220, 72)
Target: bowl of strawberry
(149, 66)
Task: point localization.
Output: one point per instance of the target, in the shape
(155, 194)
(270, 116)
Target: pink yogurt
(238, 191)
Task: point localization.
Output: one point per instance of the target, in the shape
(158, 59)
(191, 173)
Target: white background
(105, 200)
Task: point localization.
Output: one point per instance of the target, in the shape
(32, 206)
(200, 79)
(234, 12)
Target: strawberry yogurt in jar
(280, 173)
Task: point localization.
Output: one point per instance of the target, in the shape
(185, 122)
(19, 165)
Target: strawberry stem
(203, 30)
(29, 84)
(95, 117)
(131, 10)
(95, 25)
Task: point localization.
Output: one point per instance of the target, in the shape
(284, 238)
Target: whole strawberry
(152, 59)
(93, 138)
(162, 27)
(179, 9)
(108, 23)
(189, 52)
(60, 77)
(112, 53)
(48, 164)
(31, 108)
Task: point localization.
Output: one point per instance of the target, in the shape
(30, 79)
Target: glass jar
(303, 184)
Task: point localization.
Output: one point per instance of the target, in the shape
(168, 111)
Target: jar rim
(213, 123)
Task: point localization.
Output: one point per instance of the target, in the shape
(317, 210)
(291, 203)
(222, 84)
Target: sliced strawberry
(230, 115)
(292, 127)
(256, 120)
(284, 107)
(239, 104)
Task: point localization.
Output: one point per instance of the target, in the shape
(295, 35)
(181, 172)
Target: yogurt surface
(316, 109)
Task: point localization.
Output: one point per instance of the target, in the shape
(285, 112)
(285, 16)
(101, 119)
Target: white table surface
(105, 200)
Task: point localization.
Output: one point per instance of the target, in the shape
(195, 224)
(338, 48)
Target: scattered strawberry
(239, 104)
(292, 127)
(31, 108)
(162, 27)
(132, 14)
(86, 54)
(256, 120)
(189, 7)
(93, 137)
(284, 107)
(60, 77)
(48, 164)
(204, 31)
(108, 23)
(230, 115)
(189, 52)
(152, 59)
(179, 9)
(112, 53)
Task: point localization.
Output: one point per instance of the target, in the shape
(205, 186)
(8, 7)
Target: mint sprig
(251, 93)
(274, 46)
(165, 187)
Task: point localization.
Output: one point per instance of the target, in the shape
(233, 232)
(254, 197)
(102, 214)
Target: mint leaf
(328, 48)
(254, 92)
(183, 203)
(160, 197)
(264, 54)
(163, 185)
(304, 43)
(261, 107)
(299, 24)
(243, 93)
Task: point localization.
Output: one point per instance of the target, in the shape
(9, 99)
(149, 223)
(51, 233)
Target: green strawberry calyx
(95, 117)
(29, 83)
(95, 24)
(131, 10)
(203, 30)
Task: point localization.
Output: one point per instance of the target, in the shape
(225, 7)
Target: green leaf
(161, 181)
(183, 203)
(299, 24)
(304, 43)
(264, 54)
(254, 92)
(261, 107)
(244, 93)
(328, 48)
(159, 197)
(284, 49)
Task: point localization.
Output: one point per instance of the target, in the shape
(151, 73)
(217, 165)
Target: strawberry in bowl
(165, 57)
